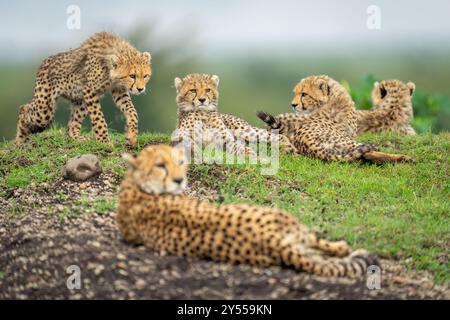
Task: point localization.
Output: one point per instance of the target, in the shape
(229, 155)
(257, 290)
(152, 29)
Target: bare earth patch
(45, 229)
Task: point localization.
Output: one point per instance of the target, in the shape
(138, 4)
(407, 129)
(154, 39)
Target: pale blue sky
(29, 28)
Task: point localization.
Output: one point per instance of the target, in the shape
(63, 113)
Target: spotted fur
(328, 131)
(197, 100)
(103, 63)
(392, 108)
(152, 212)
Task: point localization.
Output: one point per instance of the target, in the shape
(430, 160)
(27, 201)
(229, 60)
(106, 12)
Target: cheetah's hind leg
(78, 113)
(333, 248)
(382, 157)
(33, 121)
(23, 131)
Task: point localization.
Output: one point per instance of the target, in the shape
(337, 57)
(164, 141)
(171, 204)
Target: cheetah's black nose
(140, 89)
(294, 105)
(178, 180)
(202, 100)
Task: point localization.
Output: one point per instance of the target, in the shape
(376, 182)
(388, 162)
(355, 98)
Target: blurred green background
(259, 76)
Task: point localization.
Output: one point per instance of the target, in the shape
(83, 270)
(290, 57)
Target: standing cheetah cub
(392, 108)
(153, 212)
(102, 63)
(328, 131)
(197, 99)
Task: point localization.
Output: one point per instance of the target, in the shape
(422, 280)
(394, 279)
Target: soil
(44, 229)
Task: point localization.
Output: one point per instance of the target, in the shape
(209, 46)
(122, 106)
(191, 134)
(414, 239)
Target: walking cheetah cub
(152, 211)
(392, 108)
(328, 130)
(197, 99)
(102, 63)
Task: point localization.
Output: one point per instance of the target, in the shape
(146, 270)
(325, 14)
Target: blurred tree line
(248, 82)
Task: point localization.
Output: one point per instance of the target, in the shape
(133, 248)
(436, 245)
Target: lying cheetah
(102, 63)
(197, 99)
(392, 108)
(152, 211)
(329, 128)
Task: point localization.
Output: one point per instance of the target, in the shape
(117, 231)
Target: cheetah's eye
(161, 165)
(303, 94)
(133, 76)
(146, 76)
(193, 90)
(208, 90)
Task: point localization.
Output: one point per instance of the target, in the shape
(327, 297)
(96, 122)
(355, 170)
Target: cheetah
(392, 108)
(328, 130)
(153, 211)
(392, 113)
(197, 101)
(103, 63)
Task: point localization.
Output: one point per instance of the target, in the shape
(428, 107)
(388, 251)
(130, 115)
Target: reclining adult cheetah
(197, 99)
(153, 212)
(392, 108)
(102, 63)
(328, 131)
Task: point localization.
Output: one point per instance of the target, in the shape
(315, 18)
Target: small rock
(121, 256)
(82, 168)
(140, 284)
(83, 186)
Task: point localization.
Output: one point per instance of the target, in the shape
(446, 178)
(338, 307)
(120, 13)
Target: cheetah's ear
(383, 91)
(177, 82)
(323, 86)
(113, 60)
(215, 79)
(130, 159)
(411, 87)
(148, 56)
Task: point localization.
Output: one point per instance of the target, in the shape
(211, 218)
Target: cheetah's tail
(269, 120)
(354, 265)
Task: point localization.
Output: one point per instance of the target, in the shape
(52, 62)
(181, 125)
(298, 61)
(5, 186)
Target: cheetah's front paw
(131, 141)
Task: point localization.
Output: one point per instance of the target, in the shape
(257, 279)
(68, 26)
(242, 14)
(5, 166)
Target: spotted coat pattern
(328, 130)
(197, 99)
(171, 223)
(83, 75)
(392, 109)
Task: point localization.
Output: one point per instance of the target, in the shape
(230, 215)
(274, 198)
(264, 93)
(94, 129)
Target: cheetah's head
(131, 73)
(311, 93)
(382, 90)
(158, 169)
(197, 92)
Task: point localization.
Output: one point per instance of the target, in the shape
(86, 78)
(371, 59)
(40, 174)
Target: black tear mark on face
(383, 92)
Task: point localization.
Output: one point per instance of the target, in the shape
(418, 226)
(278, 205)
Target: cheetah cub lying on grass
(392, 108)
(197, 99)
(328, 124)
(153, 212)
(102, 63)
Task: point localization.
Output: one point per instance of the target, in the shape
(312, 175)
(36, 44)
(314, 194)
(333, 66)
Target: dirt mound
(38, 244)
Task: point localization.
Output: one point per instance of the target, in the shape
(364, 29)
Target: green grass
(397, 211)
